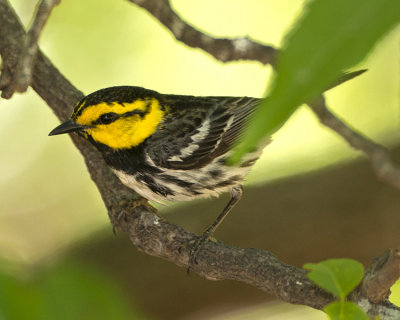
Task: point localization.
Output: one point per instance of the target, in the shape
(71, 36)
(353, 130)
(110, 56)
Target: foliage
(67, 291)
(339, 277)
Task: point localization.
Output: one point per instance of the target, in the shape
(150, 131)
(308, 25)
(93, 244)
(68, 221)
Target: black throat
(130, 160)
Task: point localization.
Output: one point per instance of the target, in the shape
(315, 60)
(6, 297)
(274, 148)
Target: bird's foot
(197, 245)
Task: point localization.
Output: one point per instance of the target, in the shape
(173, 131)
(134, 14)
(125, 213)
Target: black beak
(66, 127)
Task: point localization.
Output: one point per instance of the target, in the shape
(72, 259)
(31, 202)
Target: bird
(169, 147)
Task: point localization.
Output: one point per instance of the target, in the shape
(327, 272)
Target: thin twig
(23, 76)
(379, 157)
(221, 49)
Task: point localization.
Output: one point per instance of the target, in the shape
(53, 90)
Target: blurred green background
(56, 243)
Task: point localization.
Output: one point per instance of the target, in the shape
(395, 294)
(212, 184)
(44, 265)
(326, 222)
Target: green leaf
(331, 36)
(67, 291)
(19, 299)
(78, 291)
(337, 276)
(345, 311)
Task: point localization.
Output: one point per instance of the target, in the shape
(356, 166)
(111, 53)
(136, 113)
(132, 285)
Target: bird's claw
(196, 248)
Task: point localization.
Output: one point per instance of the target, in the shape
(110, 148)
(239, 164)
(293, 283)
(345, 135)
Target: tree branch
(21, 57)
(221, 49)
(381, 276)
(379, 157)
(149, 232)
(24, 67)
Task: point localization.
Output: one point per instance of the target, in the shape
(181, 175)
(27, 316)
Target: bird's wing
(202, 129)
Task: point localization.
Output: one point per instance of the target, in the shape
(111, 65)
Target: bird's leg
(236, 194)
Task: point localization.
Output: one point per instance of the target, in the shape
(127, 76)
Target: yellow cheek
(128, 132)
(116, 135)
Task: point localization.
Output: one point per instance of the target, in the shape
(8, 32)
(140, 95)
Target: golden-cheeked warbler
(167, 147)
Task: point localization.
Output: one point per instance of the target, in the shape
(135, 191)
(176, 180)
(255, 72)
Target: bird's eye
(107, 118)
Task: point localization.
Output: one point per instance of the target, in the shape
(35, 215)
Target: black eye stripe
(107, 118)
(131, 113)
